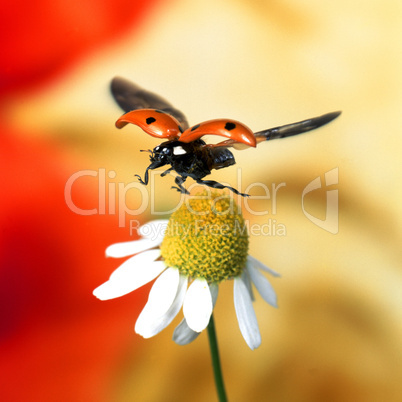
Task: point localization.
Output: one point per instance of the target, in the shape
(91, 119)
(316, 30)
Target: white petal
(127, 248)
(154, 230)
(247, 281)
(263, 286)
(183, 334)
(214, 288)
(245, 314)
(163, 292)
(197, 306)
(258, 264)
(132, 274)
(136, 267)
(117, 288)
(150, 324)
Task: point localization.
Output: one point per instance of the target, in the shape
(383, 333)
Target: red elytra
(154, 122)
(162, 125)
(226, 128)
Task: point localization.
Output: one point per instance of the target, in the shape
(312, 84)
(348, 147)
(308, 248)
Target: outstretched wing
(232, 129)
(130, 97)
(295, 128)
(287, 130)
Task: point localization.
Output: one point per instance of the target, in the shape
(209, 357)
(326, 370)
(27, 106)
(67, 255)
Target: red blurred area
(42, 38)
(57, 341)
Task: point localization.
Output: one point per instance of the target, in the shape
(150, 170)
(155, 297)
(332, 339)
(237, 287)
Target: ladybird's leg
(179, 180)
(166, 172)
(215, 184)
(145, 181)
(152, 166)
(142, 181)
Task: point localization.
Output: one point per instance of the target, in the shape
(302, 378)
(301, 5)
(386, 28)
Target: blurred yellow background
(337, 333)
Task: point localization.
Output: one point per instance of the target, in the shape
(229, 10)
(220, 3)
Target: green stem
(213, 344)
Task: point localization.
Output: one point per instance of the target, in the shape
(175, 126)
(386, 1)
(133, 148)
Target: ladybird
(184, 152)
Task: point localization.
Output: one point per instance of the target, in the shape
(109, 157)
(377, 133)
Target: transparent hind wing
(130, 96)
(287, 130)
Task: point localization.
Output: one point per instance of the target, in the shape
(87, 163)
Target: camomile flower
(204, 243)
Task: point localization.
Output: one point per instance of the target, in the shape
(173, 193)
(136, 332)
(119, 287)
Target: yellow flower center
(207, 238)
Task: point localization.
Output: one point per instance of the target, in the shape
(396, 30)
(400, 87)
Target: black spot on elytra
(195, 127)
(150, 120)
(230, 126)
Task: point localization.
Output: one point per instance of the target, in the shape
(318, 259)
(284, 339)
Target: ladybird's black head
(162, 152)
(174, 151)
